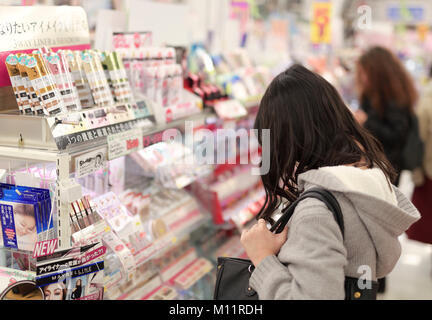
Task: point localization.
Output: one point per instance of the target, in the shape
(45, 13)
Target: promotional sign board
(23, 29)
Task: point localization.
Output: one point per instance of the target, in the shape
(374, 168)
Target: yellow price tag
(174, 240)
(107, 229)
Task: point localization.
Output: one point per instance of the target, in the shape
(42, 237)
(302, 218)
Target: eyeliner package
(74, 62)
(63, 79)
(18, 86)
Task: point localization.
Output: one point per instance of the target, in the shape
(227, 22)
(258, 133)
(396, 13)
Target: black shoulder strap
(317, 193)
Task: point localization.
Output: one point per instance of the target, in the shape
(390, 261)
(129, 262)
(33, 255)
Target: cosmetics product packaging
(85, 212)
(94, 215)
(20, 219)
(74, 221)
(78, 214)
(96, 78)
(18, 84)
(32, 98)
(63, 80)
(169, 55)
(45, 202)
(176, 84)
(44, 85)
(160, 86)
(82, 213)
(150, 82)
(73, 59)
(117, 78)
(67, 72)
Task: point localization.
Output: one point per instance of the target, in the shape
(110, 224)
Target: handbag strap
(321, 194)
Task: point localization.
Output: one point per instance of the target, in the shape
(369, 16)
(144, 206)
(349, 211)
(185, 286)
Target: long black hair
(310, 127)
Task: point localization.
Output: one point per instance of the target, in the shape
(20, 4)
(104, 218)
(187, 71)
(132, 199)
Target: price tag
(124, 143)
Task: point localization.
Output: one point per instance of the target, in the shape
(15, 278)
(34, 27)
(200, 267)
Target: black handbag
(413, 150)
(232, 280)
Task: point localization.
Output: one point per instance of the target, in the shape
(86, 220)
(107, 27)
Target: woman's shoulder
(310, 208)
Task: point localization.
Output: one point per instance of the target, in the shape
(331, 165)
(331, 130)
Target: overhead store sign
(23, 29)
(320, 25)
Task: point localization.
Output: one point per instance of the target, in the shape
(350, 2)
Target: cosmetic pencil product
(31, 92)
(44, 85)
(87, 211)
(94, 215)
(27, 84)
(83, 213)
(16, 81)
(69, 79)
(79, 217)
(96, 78)
(73, 59)
(117, 78)
(28, 102)
(64, 83)
(74, 222)
(123, 79)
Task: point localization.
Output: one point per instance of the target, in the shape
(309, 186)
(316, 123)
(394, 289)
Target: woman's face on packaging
(24, 224)
(53, 292)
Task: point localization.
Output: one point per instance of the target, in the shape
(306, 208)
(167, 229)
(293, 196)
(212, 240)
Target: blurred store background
(327, 36)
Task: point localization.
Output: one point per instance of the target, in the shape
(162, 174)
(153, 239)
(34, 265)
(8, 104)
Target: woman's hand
(259, 242)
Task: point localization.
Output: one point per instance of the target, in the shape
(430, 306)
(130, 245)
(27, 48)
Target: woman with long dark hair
(76, 292)
(316, 142)
(387, 98)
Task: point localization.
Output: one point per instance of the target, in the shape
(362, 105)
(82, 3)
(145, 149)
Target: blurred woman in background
(422, 177)
(387, 96)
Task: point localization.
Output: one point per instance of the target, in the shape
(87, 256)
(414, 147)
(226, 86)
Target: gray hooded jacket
(313, 262)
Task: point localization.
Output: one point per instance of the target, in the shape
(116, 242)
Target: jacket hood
(385, 212)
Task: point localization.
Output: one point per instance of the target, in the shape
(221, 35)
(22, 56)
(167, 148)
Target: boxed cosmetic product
(23, 217)
(45, 204)
(72, 274)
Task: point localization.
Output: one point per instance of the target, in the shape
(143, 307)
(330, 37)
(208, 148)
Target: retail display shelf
(150, 135)
(166, 242)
